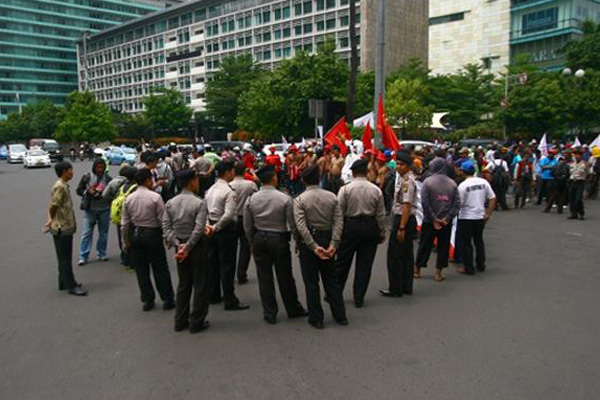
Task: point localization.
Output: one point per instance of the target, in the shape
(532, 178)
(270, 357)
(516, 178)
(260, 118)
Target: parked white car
(36, 158)
(16, 152)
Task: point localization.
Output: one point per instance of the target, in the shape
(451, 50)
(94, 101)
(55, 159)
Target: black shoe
(182, 327)
(408, 292)
(581, 217)
(237, 306)
(359, 303)
(317, 325)
(169, 305)
(572, 217)
(271, 319)
(342, 322)
(242, 281)
(149, 305)
(216, 301)
(199, 328)
(298, 314)
(387, 293)
(78, 291)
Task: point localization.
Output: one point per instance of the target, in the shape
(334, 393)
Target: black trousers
(522, 190)
(471, 231)
(360, 237)
(576, 191)
(546, 190)
(222, 252)
(244, 251)
(428, 235)
(194, 273)
(334, 183)
(558, 193)
(63, 244)
(313, 267)
(500, 191)
(125, 258)
(400, 257)
(273, 250)
(147, 250)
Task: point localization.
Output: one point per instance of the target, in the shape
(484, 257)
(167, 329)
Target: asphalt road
(525, 329)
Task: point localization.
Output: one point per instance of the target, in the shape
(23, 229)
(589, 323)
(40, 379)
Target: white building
(469, 32)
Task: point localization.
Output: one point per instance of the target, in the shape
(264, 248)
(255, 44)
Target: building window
(320, 5)
(307, 28)
(330, 3)
(267, 55)
(447, 18)
(267, 16)
(298, 9)
(320, 26)
(277, 14)
(286, 12)
(200, 15)
(540, 21)
(344, 42)
(277, 34)
(287, 32)
(345, 21)
(330, 24)
(307, 7)
(298, 30)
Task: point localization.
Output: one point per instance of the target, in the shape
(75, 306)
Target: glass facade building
(38, 56)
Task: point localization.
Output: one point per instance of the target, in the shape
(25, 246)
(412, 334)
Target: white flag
(596, 142)
(577, 143)
(544, 146)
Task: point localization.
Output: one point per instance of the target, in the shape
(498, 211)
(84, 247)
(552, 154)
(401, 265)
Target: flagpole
(379, 64)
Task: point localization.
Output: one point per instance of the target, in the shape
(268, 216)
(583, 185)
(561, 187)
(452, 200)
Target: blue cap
(467, 166)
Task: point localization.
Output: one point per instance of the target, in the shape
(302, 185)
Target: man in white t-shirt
(474, 192)
(500, 179)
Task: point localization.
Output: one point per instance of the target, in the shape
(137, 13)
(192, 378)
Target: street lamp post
(579, 74)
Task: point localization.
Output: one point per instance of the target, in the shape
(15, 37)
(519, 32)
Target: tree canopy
(85, 120)
(167, 111)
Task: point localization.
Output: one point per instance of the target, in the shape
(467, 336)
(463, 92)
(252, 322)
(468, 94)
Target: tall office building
(496, 32)
(183, 45)
(37, 44)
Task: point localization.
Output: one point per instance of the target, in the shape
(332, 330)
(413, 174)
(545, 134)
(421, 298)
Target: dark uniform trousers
(222, 252)
(63, 244)
(428, 236)
(360, 237)
(312, 266)
(334, 183)
(576, 191)
(244, 254)
(558, 193)
(400, 257)
(125, 258)
(147, 250)
(194, 274)
(272, 249)
(471, 231)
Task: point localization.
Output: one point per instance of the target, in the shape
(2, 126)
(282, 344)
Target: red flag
(366, 139)
(338, 135)
(388, 136)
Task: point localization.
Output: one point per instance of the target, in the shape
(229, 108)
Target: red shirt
(275, 161)
(249, 160)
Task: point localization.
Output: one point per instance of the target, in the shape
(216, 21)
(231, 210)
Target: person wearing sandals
(441, 203)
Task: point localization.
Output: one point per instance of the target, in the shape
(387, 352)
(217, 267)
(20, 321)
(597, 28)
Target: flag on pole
(596, 142)
(367, 138)
(338, 135)
(388, 136)
(577, 143)
(544, 146)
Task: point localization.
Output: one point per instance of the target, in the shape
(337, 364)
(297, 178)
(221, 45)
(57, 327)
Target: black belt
(147, 229)
(361, 217)
(319, 231)
(271, 233)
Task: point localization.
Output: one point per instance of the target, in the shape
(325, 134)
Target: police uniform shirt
(405, 193)
(269, 210)
(201, 165)
(318, 209)
(143, 208)
(362, 198)
(243, 190)
(579, 171)
(222, 204)
(184, 219)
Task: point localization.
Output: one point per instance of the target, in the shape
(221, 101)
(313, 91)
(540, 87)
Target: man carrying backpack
(560, 190)
(500, 178)
(116, 192)
(524, 177)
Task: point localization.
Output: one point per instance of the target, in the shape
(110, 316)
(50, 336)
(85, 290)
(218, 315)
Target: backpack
(499, 175)
(116, 207)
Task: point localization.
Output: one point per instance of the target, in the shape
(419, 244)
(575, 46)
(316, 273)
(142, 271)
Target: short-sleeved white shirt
(473, 194)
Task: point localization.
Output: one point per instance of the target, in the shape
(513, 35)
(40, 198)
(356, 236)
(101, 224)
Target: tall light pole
(379, 62)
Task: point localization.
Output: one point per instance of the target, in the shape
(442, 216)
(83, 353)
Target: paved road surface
(526, 329)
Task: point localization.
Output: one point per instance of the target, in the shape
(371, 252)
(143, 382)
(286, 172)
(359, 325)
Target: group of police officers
(329, 231)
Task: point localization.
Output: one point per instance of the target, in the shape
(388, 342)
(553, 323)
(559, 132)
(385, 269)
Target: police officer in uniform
(243, 190)
(222, 206)
(363, 208)
(400, 257)
(142, 233)
(319, 222)
(184, 222)
(268, 221)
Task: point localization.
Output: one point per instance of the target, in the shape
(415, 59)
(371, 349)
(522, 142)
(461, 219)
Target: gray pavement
(525, 329)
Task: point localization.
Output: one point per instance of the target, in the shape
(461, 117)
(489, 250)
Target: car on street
(478, 142)
(16, 152)
(119, 155)
(36, 158)
(3, 152)
(219, 146)
(50, 146)
(415, 143)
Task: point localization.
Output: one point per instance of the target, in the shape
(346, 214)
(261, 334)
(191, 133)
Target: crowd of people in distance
(218, 211)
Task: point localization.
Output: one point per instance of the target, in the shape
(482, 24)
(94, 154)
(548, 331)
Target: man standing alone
(61, 224)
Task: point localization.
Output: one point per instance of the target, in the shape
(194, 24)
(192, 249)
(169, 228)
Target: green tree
(85, 120)
(277, 104)
(167, 111)
(365, 88)
(406, 105)
(223, 91)
(133, 126)
(584, 53)
(36, 120)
